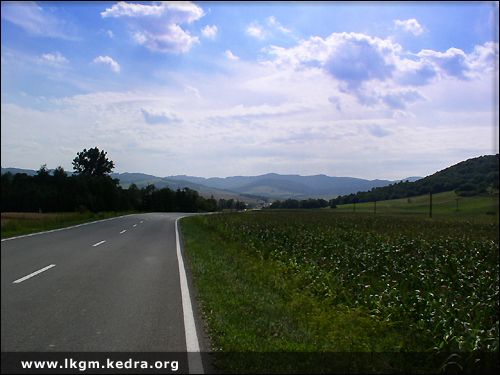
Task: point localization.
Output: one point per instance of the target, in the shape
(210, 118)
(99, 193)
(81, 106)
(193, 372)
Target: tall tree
(92, 162)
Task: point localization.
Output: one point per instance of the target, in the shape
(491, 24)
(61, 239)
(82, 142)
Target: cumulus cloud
(256, 30)
(230, 55)
(399, 99)
(106, 60)
(357, 62)
(411, 25)
(153, 116)
(55, 59)
(158, 26)
(352, 58)
(209, 31)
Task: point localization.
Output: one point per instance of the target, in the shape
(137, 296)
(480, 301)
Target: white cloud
(192, 90)
(55, 59)
(157, 26)
(268, 29)
(230, 55)
(410, 25)
(32, 18)
(256, 30)
(110, 34)
(209, 31)
(371, 68)
(115, 67)
(273, 23)
(155, 116)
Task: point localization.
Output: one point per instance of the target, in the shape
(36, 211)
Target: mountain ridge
(263, 187)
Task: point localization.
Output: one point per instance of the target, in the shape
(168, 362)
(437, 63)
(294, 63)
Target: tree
(92, 162)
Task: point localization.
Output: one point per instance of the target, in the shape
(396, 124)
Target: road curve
(110, 286)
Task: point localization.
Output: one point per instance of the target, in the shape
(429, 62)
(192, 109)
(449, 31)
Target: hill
(467, 178)
(277, 186)
(251, 189)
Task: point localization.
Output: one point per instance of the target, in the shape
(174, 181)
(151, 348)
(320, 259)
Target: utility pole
(430, 204)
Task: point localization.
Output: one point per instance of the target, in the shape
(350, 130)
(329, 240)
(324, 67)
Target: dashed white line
(123, 231)
(134, 225)
(33, 274)
(99, 243)
(142, 221)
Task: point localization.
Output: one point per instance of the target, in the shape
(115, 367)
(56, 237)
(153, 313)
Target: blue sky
(371, 90)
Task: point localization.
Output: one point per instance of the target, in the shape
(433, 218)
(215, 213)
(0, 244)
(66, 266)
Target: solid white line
(192, 345)
(123, 231)
(99, 243)
(57, 230)
(33, 274)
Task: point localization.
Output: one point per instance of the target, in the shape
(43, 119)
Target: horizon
(362, 90)
(263, 174)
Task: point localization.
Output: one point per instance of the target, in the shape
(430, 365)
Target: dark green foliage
(306, 203)
(471, 177)
(91, 189)
(92, 162)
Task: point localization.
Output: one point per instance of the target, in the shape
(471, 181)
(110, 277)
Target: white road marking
(192, 345)
(142, 221)
(134, 225)
(123, 231)
(99, 243)
(57, 230)
(33, 274)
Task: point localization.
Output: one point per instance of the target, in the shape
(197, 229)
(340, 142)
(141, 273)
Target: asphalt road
(121, 295)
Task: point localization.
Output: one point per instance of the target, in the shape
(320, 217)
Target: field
(443, 204)
(18, 223)
(323, 281)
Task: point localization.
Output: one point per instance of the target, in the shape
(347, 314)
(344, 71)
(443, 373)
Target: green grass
(443, 204)
(325, 281)
(19, 223)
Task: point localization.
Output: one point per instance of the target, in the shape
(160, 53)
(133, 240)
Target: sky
(371, 90)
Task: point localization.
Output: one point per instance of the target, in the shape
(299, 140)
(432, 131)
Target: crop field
(326, 281)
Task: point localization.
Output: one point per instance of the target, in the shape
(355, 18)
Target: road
(111, 286)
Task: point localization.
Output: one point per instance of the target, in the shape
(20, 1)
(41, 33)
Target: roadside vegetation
(19, 223)
(323, 281)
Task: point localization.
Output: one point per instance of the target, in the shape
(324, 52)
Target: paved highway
(112, 285)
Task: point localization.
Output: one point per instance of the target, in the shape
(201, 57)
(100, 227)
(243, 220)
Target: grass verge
(19, 223)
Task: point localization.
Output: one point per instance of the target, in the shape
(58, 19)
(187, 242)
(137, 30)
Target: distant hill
(29, 172)
(277, 186)
(467, 178)
(250, 188)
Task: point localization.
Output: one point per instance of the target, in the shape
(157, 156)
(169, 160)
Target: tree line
(91, 188)
(305, 203)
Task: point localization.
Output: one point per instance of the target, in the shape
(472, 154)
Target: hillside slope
(467, 178)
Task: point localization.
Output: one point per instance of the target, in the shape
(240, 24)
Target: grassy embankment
(447, 204)
(19, 223)
(327, 281)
